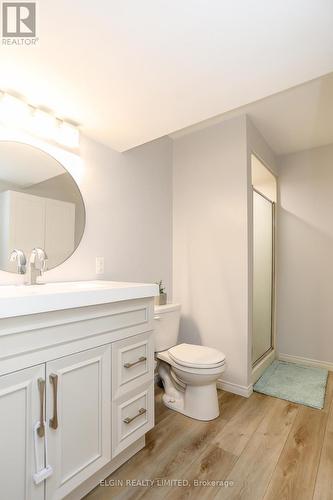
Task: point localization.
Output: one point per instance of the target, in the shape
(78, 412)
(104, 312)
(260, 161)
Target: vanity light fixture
(43, 124)
(67, 134)
(16, 113)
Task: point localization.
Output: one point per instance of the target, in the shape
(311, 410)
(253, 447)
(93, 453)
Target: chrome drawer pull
(140, 360)
(128, 420)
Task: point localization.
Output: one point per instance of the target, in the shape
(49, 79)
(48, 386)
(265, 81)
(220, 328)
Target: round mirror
(40, 206)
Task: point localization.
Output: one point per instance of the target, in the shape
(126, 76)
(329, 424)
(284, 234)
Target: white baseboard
(241, 390)
(305, 361)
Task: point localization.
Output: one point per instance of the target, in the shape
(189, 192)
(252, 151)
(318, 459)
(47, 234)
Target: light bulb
(68, 135)
(43, 124)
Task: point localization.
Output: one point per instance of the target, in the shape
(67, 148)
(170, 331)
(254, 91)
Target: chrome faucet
(18, 256)
(37, 265)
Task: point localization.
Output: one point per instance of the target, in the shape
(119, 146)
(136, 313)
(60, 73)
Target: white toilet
(188, 372)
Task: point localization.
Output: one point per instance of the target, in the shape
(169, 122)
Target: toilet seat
(201, 371)
(196, 356)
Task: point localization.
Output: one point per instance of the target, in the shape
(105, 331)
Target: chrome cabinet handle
(41, 389)
(140, 360)
(128, 420)
(53, 422)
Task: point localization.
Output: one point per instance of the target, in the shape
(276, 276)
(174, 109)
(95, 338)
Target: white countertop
(21, 300)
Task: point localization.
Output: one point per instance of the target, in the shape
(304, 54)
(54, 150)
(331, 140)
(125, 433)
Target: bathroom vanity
(76, 384)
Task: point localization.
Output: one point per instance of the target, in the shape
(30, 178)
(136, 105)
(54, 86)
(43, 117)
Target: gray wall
(305, 254)
(210, 241)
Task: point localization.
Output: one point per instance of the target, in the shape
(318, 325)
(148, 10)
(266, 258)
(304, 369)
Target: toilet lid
(196, 356)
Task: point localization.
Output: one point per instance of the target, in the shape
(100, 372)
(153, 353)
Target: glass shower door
(263, 272)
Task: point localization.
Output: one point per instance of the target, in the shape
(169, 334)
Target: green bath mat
(297, 383)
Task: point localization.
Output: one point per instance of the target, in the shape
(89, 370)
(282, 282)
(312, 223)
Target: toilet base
(209, 412)
(195, 401)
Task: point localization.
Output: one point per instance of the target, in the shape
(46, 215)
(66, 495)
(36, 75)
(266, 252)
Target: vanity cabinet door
(19, 413)
(78, 393)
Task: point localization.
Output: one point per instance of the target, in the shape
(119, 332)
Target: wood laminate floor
(265, 448)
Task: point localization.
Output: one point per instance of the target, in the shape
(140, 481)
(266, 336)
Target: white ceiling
(296, 119)
(130, 71)
(22, 165)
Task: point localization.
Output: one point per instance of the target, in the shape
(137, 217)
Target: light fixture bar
(17, 113)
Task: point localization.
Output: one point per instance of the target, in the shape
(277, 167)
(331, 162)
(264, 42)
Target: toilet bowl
(189, 372)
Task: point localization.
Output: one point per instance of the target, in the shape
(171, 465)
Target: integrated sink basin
(21, 300)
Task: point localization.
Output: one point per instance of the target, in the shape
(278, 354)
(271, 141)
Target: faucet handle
(44, 264)
(18, 256)
(41, 256)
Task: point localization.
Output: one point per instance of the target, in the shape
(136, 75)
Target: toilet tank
(166, 326)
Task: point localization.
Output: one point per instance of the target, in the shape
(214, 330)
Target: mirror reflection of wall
(40, 205)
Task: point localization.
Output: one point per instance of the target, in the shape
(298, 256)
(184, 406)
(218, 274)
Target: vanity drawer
(132, 363)
(132, 417)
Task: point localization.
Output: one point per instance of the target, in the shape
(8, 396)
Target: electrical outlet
(99, 265)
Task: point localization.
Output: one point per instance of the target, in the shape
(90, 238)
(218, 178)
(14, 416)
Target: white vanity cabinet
(19, 412)
(78, 416)
(88, 372)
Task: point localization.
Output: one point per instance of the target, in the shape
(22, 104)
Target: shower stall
(263, 275)
(263, 279)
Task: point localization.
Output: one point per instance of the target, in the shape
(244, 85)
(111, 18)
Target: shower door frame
(254, 364)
